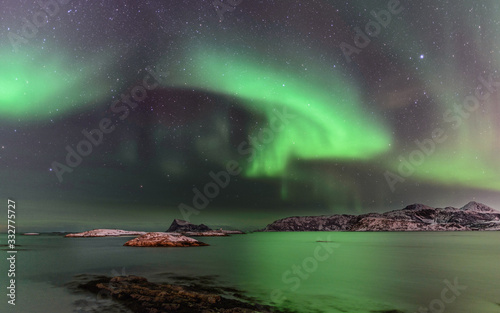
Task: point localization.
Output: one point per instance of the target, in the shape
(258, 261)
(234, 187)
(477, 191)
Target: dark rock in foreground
(144, 297)
(415, 217)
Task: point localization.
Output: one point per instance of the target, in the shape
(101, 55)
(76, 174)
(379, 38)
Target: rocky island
(106, 233)
(415, 217)
(188, 229)
(159, 239)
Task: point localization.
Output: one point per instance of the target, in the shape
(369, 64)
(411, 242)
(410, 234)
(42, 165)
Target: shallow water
(351, 272)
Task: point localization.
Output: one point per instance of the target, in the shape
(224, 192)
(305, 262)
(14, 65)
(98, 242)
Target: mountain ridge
(414, 217)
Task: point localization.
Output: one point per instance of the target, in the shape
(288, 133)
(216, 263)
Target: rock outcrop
(188, 229)
(106, 233)
(158, 239)
(181, 226)
(415, 217)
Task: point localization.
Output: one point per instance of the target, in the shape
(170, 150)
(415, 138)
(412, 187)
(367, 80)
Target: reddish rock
(159, 239)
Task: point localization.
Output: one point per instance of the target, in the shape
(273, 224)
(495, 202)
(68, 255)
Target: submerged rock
(158, 239)
(220, 232)
(212, 233)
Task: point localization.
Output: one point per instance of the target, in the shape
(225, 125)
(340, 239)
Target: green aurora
(59, 86)
(328, 122)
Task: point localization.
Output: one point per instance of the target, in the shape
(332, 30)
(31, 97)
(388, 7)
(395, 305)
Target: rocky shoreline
(416, 217)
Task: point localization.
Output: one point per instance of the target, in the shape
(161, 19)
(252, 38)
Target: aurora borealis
(327, 118)
(225, 83)
(40, 92)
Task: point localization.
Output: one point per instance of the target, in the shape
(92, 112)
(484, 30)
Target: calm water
(352, 272)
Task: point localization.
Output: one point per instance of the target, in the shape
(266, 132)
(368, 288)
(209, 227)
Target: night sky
(314, 107)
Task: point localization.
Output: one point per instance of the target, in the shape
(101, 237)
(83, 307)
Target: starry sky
(127, 114)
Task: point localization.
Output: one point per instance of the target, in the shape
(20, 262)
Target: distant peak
(476, 206)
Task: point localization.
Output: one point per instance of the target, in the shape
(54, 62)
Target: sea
(361, 272)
